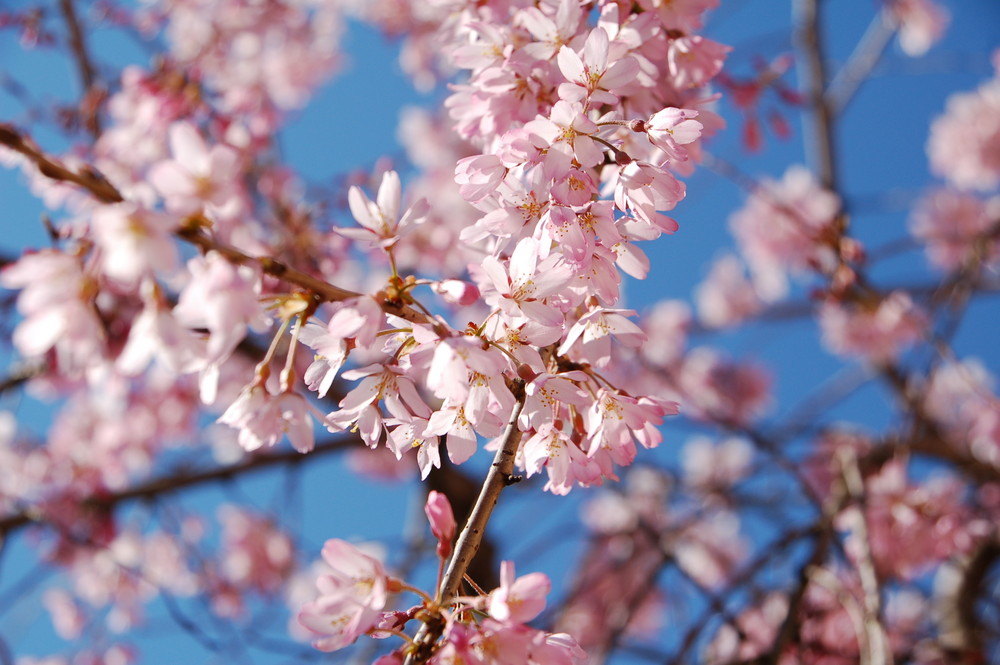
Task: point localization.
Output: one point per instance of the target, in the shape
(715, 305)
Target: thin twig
(475, 528)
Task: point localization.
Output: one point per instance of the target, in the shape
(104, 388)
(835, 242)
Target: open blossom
(350, 598)
(59, 313)
(589, 75)
(523, 286)
(380, 221)
(591, 334)
(518, 600)
(567, 134)
(264, 419)
(672, 128)
(134, 242)
(197, 176)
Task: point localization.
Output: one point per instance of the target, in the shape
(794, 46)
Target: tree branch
(181, 479)
(472, 533)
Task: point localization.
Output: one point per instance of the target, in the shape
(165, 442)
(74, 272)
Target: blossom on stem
(380, 221)
(518, 600)
(350, 599)
(589, 74)
(442, 521)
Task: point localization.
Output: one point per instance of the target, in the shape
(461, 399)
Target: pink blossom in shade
(615, 421)
(715, 465)
(223, 298)
(593, 331)
(442, 521)
(683, 15)
(520, 288)
(671, 129)
(711, 550)
(956, 227)
(694, 60)
(576, 188)
(566, 134)
(589, 75)
(351, 597)
(197, 176)
(331, 352)
(518, 600)
(722, 390)
(726, 297)
(913, 526)
(961, 397)
(489, 46)
(134, 242)
(964, 143)
(479, 176)
(460, 436)
(753, 635)
(781, 230)
(921, 24)
(380, 221)
(255, 554)
(878, 332)
(454, 358)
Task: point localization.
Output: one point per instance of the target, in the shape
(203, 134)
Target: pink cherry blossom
(782, 229)
(350, 597)
(523, 286)
(672, 128)
(380, 221)
(876, 332)
(518, 600)
(197, 176)
(694, 60)
(726, 297)
(590, 75)
(964, 143)
(956, 228)
(134, 242)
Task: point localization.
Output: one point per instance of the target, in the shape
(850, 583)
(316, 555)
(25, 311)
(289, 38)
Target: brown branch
(862, 61)
(92, 181)
(181, 479)
(809, 38)
(92, 93)
(498, 477)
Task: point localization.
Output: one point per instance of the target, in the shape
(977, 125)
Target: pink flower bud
(442, 519)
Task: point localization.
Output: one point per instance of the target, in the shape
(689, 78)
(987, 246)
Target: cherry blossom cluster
(354, 594)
